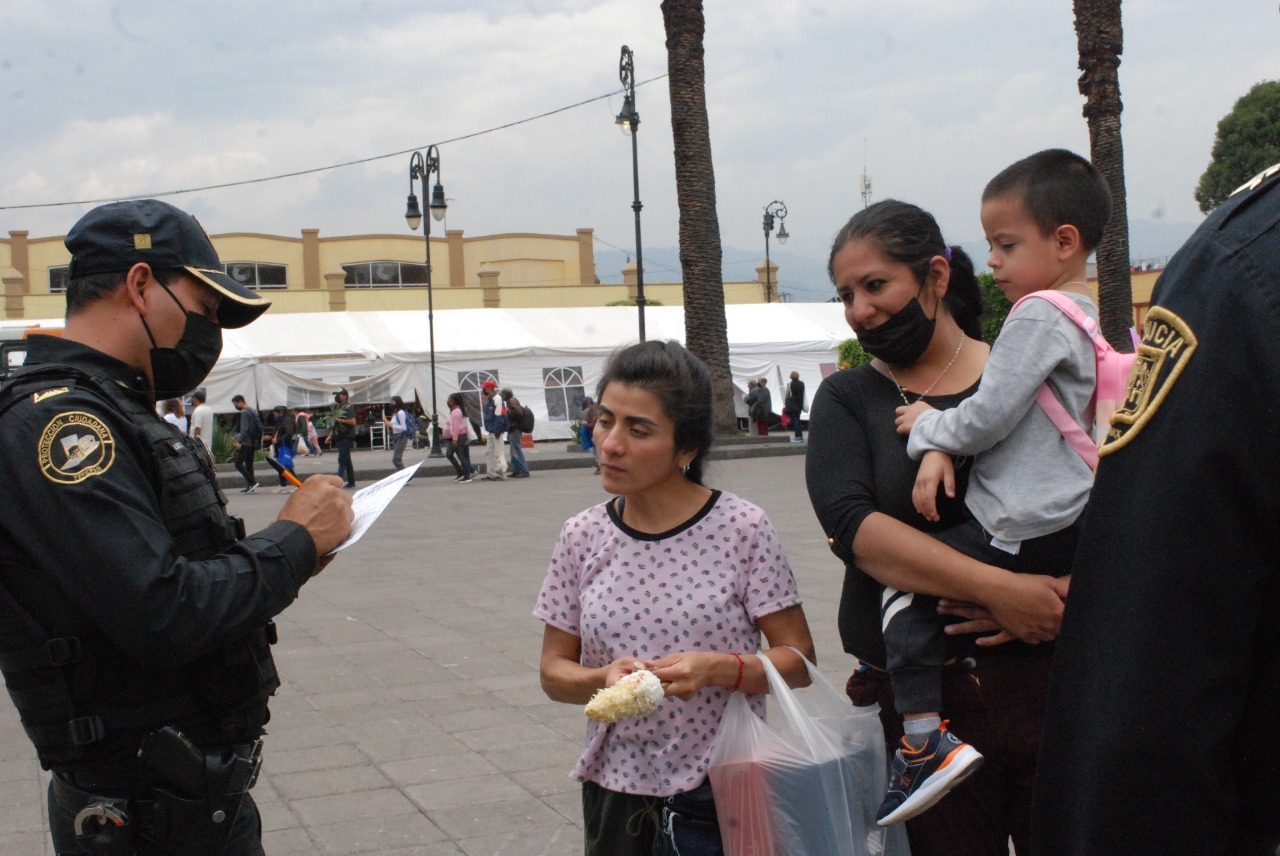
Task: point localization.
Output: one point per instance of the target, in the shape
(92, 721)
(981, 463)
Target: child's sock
(918, 730)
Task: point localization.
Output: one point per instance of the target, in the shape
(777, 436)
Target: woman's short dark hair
(908, 234)
(682, 385)
(84, 290)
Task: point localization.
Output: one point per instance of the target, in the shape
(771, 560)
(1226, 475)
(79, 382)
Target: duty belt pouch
(198, 794)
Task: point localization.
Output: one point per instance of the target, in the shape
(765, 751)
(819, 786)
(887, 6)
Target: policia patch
(1167, 346)
(75, 446)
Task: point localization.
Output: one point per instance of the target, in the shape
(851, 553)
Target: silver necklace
(902, 391)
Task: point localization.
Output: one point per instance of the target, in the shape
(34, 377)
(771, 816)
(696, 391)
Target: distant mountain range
(805, 279)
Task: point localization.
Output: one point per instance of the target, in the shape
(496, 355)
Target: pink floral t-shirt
(699, 587)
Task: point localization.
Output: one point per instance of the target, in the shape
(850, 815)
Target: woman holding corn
(671, 577)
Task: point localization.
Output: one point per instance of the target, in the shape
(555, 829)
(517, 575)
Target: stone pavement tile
(395, 709)
(19, 769)
(439, 796)
(428, 744)
(475, 666)
(563, 752)
(288, 842)
(512, 736)
(525, 842)
(441, 768)
(276, 814)
(357, 697)
(474, 719)
(477, 699)
(341, 808)
(26, 815)
(568, 804)
(35, 843)
(545, 781)
(303, 736)
(447, 691)
(316, 783)
(524, 815)
(312, 758)
(400, 667)
(379, 835)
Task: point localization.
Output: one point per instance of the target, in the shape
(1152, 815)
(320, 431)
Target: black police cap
(113, 238)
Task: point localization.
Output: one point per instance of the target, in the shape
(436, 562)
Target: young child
(1042, 217)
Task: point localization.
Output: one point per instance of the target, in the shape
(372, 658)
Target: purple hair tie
(946, 251)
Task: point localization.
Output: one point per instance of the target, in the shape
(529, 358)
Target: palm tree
(1100, 42)
(705, 328)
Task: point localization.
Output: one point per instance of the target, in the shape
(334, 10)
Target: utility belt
(186, 801)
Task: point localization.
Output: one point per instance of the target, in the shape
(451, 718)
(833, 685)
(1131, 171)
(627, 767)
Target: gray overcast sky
(106, 99)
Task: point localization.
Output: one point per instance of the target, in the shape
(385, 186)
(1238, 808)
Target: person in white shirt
(202, 419)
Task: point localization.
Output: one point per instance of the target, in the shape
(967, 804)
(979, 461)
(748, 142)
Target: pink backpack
(1113, 379)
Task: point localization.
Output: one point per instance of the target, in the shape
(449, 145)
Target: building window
(563, 389)
(385, 275)
(58, 279)
(257, 274)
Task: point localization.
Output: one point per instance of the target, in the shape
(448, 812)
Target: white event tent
(548, 357)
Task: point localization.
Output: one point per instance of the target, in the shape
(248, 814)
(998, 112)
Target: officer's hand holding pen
(324, 508)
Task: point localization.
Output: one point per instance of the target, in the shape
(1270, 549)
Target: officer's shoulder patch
(37, 397)
(1256, 182)
(1167, 346)
(75, 446)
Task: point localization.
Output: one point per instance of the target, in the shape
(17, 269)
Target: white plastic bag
(808, 783)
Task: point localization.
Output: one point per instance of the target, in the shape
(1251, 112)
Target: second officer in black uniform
(135, 614)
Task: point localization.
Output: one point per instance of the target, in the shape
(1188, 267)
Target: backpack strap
(1071, 430)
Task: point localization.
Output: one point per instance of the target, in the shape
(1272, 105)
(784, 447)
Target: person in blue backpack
(1042, 217)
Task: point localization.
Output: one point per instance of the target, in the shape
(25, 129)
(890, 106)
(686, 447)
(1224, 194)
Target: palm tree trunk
(705, 328)
(1100, 41)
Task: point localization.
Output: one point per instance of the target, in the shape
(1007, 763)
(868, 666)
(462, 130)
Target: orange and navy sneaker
(918, 778)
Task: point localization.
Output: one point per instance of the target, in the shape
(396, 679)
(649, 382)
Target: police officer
(134, 612)
(1167, 673)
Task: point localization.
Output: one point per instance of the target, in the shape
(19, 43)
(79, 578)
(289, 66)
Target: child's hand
(936, 468)
(907, 416)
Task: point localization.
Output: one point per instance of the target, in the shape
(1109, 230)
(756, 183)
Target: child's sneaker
(918, 778)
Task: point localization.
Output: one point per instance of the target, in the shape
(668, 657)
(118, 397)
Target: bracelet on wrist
(741, 665)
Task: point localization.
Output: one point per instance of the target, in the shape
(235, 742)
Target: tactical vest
(219, 698)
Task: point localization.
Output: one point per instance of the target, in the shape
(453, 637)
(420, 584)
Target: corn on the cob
(634, 695)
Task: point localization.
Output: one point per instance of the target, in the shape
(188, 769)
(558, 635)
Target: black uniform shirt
(1167, 673)
(85, 549)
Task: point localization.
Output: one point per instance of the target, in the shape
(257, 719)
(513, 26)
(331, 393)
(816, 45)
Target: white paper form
(369, 503)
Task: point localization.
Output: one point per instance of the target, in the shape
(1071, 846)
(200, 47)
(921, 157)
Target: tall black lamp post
(421, 167)
(629, 121)
(777, 209)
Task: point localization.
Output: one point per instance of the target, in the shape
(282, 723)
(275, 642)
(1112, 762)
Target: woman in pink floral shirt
(669, 576)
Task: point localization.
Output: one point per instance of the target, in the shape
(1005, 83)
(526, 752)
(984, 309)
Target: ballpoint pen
(278, 467)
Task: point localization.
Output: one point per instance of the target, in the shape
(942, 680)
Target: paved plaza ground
(411, 722)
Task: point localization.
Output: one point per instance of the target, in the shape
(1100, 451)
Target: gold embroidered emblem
(37, 397)
(142, 241)
(1167, 346)
(75, 446)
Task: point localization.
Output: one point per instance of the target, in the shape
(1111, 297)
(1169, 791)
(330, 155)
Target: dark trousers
(244, 464)
(995, 700)
(460, 456)
(246, 835)
(915, 645)
(345, 469)
(617, 824)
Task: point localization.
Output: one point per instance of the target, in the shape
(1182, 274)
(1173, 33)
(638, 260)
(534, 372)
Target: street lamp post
(629, 121)
(421, 167)
(778, 209)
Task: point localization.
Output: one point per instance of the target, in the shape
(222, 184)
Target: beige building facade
(311, 273)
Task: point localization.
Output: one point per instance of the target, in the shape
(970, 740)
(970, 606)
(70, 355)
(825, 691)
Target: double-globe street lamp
(421, 167)
(777, 209)
(629, 121)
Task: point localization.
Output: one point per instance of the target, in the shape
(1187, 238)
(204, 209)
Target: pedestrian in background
(457, 435)
(201, 424)
(590, 413)
(496, 425)
(515, 435)
(248, 441)
(398, 425)
(175, 414)
(793, 405)
(344, 433)
(284, 444)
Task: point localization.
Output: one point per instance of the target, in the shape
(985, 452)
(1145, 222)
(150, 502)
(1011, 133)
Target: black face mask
(900, 340)
(178, 370)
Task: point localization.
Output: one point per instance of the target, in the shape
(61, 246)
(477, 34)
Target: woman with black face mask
(914, 304)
